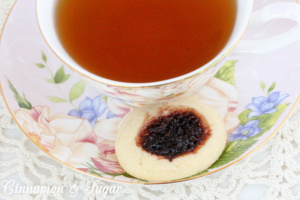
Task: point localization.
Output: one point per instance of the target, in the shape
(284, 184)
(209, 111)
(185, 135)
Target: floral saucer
(76, 125)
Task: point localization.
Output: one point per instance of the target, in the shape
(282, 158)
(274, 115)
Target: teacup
(154, 92)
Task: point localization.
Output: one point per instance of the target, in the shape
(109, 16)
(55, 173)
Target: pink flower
(117, 107)
(107, 160)
(224, 98)
(35, 120)
(76, 154)
(107, 128)
(69, 139)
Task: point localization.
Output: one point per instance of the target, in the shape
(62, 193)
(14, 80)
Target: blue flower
(250, 129)
(263, 105)
(90, 109)
(110, 115)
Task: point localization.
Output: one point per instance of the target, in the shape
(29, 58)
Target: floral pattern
(257, 110)
(155, 94)
(84, 137)
(107, 160)
(224, 98)
(65, 137)
(71, 139)
(250, 129)
(259, 117)
(265, 105)
(91, 109)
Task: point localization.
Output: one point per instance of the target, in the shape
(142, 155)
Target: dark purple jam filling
(179, 132)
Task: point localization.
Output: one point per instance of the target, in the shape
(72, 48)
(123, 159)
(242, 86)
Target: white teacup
(145, 93)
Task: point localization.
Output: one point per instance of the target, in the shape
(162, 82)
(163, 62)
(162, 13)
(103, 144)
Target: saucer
(76, 125)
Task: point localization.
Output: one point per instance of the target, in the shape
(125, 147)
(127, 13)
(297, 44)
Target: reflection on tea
(142, 41)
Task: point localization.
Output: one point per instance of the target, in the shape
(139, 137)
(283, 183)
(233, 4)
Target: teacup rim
(218, 58)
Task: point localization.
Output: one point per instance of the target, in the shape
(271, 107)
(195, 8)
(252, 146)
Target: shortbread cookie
(172, 140)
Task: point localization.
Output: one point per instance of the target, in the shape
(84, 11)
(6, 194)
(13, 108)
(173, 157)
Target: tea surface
(142, 41)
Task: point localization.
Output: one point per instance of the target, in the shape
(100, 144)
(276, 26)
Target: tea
(142, 41)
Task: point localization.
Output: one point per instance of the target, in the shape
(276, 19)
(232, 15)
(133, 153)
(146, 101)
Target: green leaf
(56, 99)
(267, 121)
(49, 80)
(262, 85)
(40, 65)
(92, 171)
(44, 57)
(128, 175)
(66, 78)
(13, 89)
(59, 75)
(233, 150)
(271, 88)
(105, 98)
(23, 102)
(77, 90)
(226, 72)
(243, 117)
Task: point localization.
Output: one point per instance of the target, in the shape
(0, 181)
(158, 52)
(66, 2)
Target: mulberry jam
(170, 135)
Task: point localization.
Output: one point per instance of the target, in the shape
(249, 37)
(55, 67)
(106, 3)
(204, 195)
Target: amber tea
(141, 41)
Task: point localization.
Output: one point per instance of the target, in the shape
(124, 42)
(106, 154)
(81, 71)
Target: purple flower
(250, 129)
(90, 109)
(263, 105)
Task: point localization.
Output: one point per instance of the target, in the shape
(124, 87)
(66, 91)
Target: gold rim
(145, 183)
(118, 181)
(133, 86)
